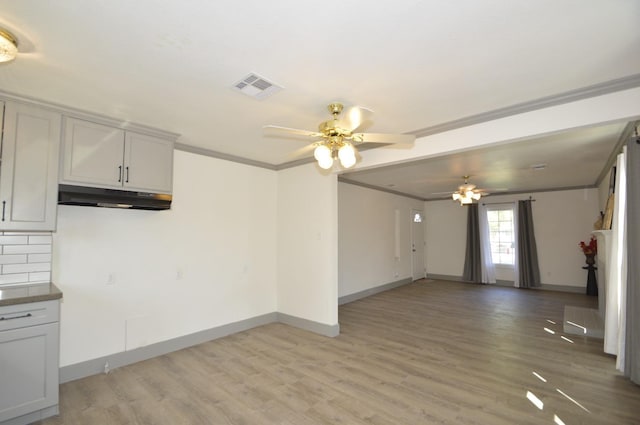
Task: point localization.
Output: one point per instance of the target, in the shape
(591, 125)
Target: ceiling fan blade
(355, 117)
(491, 190)
(303, 151)
(443, 193)
(278, 131)
(383, 138)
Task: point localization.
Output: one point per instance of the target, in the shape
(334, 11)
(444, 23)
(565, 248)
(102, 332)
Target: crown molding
(379, 189)
(600, 89)
(626, 134)
(89, 116)
(225, 156)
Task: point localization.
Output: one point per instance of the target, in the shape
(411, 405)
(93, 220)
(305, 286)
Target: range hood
(110, 198)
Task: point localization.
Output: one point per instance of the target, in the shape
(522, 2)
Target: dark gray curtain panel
(529, 270)
(472, 260)
(632, 333)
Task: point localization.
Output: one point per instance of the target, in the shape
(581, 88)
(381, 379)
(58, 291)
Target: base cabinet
(29, 347)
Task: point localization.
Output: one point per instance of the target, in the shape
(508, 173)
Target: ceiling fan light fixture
(466, 193)
(8, 46)
(325, 163)
(348, 162)
(322, 153)
(347, 155)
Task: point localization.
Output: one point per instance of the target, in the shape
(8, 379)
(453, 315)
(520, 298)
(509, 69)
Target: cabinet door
(148, 163)
(28, 370)
(93, 154)
(29, 171)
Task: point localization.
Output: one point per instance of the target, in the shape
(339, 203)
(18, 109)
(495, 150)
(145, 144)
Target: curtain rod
(501, 203)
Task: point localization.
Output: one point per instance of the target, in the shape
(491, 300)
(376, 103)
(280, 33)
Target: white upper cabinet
(29, 168)
(148, 163)
(98, 155)
(93, 154)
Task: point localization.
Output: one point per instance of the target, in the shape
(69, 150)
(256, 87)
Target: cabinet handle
(16, 317)
(119, 173)
(4, 206)
(127, 170)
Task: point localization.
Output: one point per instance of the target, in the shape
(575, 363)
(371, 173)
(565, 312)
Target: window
(501, 236)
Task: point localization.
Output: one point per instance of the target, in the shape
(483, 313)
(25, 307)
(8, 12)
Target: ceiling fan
(468, 192)
(337, 137)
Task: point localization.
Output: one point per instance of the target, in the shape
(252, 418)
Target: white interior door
(417, 244)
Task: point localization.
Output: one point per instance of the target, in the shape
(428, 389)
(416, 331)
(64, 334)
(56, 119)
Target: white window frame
(504, 207)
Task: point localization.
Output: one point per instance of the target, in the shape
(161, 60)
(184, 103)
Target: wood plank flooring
(431, 352)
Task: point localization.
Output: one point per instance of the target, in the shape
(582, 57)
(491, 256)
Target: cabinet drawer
(29, 314)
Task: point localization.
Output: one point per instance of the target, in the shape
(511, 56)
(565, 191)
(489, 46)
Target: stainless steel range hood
(111, 198)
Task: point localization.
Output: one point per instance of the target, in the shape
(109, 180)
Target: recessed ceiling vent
(256, 86)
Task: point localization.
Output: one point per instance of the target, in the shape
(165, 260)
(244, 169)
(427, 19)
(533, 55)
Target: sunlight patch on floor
(535, 400)
(557, 420)
(539, 376)
(573, 401)
(584, 330)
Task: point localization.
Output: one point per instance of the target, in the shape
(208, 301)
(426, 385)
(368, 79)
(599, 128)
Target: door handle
(4, 206)
(119, 173)
(127, 170)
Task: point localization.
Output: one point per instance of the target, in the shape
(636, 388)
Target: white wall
(209, 261)
(445, 237)
(561, 220)
(366, 242)
(242, 241)
(307, 244)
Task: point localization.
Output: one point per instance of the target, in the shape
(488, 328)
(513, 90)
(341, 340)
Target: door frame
(412, 224)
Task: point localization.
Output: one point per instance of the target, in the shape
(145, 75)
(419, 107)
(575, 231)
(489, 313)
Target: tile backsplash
(25, 257)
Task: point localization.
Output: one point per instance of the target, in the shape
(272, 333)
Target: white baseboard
(115, 360)
(371, 291)
(509, 284)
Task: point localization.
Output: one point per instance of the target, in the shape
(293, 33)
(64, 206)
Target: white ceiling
(568, 160)
(418, 64)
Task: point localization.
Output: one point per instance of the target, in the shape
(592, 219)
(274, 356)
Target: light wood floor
(427, 353)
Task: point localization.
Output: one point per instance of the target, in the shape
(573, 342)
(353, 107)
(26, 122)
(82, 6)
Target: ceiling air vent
(256, 86)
